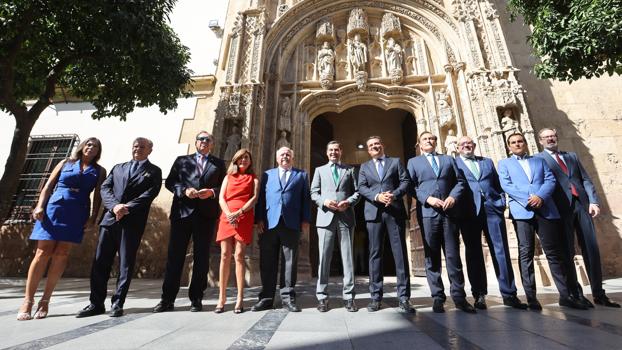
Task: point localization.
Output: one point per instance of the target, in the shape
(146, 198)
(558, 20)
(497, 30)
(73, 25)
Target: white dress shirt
(524, 163)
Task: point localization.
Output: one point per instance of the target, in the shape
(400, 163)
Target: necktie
(201, 164)
(562, 165)
(380, 168)
(284, 179)
(433, 163)
(134, 168)
(473, 167)
(335, 173)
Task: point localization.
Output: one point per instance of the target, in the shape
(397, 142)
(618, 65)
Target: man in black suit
(127, 194)
(383, 182)
(438, 185)
(195, 181)
(577, 202)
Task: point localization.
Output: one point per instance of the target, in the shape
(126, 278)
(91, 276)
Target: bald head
(466, 146)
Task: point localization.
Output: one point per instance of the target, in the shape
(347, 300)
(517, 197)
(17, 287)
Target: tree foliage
(573, 38)
(117, 54)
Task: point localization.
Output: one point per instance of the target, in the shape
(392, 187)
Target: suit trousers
(279, 241)
(581, 222)
(113, 239)
(440, 233)
(326, 238)
(492, 223)
(201, 230)
(395, 229)
(549, 232)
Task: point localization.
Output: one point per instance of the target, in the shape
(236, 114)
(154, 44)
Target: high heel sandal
(42, 309)
(219, 309)
(25, 316)
(239, 308)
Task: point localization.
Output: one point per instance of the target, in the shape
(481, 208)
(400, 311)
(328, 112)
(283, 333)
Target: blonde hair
(233, 167)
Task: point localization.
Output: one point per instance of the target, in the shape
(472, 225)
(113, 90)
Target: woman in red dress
(238, 195)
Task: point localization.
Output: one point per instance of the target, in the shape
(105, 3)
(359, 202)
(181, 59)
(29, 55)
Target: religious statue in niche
(233, 143)
(444, 108)
(326, 62)
(451, 143)
(358, 53)
(508, 123)
(282, 141)
(285, 121)
(395, 59)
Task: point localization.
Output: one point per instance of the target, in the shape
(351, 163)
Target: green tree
(117, 54)
(574, 39)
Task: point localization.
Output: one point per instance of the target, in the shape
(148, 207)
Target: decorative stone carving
(451, 143)
(390, 26)
(357, 22)
(361, 80)
(282, 141)
(395, 59)
(282, 9)
(325, 31)
(326, 63)
(508, 122)
(285, 121)
(233, 143)
(444, 108)
(358, 54)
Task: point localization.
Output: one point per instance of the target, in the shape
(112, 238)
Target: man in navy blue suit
(529, 183)
(438, 185)
(195, 181)
(127, 194)
(282, 212)
(576, 200)
(383, 182)
(483, 204)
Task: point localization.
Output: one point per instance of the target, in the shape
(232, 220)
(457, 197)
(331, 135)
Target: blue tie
(284, 179)
(134, 168)
(380, 168)
(434, 164)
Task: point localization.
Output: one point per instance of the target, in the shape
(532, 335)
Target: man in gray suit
(576, 200)
(335, 191)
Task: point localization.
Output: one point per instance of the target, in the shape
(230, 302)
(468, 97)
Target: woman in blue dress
(61, 214)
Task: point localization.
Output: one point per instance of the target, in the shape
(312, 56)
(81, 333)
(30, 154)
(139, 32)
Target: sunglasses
(203, 139)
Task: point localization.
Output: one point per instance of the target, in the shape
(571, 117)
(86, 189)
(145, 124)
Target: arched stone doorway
(352, 127)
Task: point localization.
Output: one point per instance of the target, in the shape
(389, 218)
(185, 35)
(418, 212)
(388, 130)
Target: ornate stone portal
(444, 62)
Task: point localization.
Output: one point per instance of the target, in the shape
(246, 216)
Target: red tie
(565, 170)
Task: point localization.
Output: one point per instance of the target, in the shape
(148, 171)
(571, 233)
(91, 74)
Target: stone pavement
(498, 327)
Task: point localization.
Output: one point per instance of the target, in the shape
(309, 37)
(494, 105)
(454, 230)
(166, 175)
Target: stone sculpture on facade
(357, 22)
(508, 124)
(326, 63)
(395, 59)
(358, 61)
(451, 143)
(445, 113)
(285, 120)
(233, 143)
(282, 141)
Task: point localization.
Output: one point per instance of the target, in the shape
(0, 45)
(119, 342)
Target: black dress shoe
(373, 306)
(164, 306)
(116, 310)
(322, 305)
(263, 304)
(196, 305)
(584, 301)
(480, 302)
(350, 305)
(291, 306)
(405, 307)
(605, 301)
(572, 303)
(91, 310)
(514, 302)
(438, 306)
(534, 304)
(465, 306)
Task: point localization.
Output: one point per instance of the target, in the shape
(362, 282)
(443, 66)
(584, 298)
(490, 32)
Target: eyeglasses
(203, 139)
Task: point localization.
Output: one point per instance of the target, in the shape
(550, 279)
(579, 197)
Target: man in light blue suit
(282, 211)
(483, 205)
(529, 183)
(576, 200)
(438, 187)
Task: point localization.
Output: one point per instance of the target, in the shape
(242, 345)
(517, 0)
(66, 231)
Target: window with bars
(44, 153)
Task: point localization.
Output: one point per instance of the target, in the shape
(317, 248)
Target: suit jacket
(323, 187)
(291, 202)
(449, 182)
(486, 187)
(137, 192)
(185, 174)
(516, 184)
(576, 176)
(395, 179)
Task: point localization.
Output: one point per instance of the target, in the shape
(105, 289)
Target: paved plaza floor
(499, 327)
